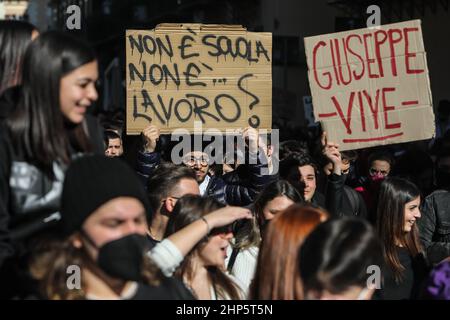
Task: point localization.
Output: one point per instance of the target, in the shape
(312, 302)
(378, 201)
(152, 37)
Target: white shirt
(204, 185)
(244, 266)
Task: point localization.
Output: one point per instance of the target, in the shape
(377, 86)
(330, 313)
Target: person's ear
(76, 241)
(169, 204)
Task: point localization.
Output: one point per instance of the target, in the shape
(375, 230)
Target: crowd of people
(329, 224)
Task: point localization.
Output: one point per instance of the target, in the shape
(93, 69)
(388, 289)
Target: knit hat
(90, 182)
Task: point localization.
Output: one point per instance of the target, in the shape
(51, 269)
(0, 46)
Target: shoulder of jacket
(441, 193)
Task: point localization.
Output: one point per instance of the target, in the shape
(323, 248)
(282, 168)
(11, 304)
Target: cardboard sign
(178, 74)
(370, 86)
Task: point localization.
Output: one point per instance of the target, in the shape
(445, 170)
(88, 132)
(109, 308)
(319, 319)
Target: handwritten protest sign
(370, 86)
(180, 73)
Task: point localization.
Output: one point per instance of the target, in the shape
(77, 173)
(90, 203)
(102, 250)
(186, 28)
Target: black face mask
(122, 258)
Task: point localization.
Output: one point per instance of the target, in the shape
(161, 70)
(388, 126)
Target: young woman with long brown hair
(243, 252)
(46, 129)
(397, 213)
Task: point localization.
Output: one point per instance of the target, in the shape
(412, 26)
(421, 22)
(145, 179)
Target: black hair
(292, 146)
(109, 135)
(290, 172)
(37, 124)
(15, 36)
(349, 155)
(383, 156)
(337, 254)
(163, 180)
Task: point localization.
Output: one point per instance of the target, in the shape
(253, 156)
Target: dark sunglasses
(230, 228)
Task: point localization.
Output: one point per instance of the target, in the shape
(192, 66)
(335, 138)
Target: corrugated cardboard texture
(371, 86)
(220, 75)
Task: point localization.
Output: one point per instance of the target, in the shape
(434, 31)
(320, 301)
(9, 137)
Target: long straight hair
(15, 36)
(187, 210)
(37, 124)
(277, 276)
(394, 194)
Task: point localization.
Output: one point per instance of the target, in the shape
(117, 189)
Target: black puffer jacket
(232, 189)
(434, 226)
(239, 187)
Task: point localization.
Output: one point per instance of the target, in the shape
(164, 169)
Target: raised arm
(148, 159)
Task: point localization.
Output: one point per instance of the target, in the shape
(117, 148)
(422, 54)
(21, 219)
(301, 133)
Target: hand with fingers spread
(151, 136)
(331, 151)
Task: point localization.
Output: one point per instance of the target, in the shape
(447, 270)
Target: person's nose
(92, 93)
(130, 228)
(417, 214)
(306, 182)
(197, 164)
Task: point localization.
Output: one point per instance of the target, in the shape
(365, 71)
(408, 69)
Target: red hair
(277, 276)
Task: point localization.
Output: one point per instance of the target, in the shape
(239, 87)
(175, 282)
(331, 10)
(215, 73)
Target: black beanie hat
(90, 182)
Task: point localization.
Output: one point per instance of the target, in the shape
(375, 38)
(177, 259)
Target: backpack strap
(232, 259)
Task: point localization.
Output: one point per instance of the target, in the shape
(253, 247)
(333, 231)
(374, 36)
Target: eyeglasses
(373, 172)
(192, 161)
(230, 228)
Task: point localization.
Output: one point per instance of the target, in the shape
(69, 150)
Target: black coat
(416, 269)
(341, 200)
(434, 226)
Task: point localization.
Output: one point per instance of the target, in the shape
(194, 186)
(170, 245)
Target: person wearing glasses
(235, 190)
(380, 167)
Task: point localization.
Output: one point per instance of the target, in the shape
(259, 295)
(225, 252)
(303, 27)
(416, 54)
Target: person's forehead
(414, 201)
(279, 201)
(119, 208)
(380, 164)
(114, 141)
(306, 170)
